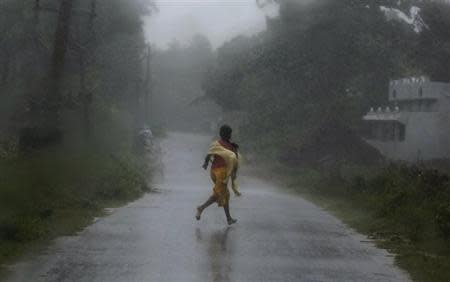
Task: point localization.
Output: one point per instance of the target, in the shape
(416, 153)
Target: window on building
(422, 106)
(391, 131)
(420, 92)
(418, 105)
(385, 131)
(394, 94)
(400, 130)
(430, 106)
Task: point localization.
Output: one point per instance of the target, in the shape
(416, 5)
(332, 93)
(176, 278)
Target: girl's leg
(230, 220)
(235, 190)
(200, 209)
(211, 200)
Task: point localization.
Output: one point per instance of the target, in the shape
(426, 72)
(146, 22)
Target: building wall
(420, 140)
(443, 125)
(405, 90)
(424, 109)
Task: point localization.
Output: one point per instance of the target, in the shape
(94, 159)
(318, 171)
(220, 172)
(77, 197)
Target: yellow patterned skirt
(220, 189)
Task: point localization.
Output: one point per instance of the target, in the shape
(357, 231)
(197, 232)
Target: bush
(22, 229)
(415, 200)
(36, 190)
(443, 220)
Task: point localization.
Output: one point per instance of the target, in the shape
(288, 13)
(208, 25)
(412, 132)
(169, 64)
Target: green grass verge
(405, 209)
(54, 193)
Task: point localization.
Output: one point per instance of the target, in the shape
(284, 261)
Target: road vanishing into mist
(278, 236)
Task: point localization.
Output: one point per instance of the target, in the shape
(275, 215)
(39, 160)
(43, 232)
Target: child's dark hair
(225, 132)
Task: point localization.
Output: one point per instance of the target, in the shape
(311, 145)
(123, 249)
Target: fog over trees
(178, 98)
(319, 67)
(66, 63)
(89, 87)
(72, 81)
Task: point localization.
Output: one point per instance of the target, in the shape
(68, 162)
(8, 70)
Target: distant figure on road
(224, 166)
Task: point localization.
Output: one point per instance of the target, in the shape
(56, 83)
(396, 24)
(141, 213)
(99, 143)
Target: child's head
(225, 132)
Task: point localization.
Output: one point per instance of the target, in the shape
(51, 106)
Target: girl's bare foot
(199, 213)
(231, 221)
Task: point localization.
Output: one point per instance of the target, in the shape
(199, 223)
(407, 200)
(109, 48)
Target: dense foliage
(404, 207)
(101, 66)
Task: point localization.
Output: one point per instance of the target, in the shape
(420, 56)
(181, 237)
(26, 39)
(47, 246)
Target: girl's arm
(236, 149)
(205, 164)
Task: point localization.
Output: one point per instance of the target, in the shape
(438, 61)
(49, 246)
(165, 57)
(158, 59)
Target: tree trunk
(5, 70)
(57, 64)
(137, 116)
(147, 88)
(44, 130)
(85, 94)
(86, 97)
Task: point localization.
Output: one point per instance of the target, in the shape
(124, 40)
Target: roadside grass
(405, 209)
(58, 192)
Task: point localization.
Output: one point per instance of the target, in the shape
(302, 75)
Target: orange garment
(218, 160)
(220, 189)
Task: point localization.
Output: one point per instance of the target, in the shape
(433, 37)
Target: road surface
(278, 237)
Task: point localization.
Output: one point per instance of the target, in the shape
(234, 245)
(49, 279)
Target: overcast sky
(219, 20)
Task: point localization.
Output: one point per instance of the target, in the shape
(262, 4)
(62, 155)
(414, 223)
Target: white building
(416, 126)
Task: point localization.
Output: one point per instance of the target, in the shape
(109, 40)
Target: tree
(85, 67)
(434, 43)
(318, 66)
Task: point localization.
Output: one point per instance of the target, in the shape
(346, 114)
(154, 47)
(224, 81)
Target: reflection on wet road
(279, 236)
(219, 253)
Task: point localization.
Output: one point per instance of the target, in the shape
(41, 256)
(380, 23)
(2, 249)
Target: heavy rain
(224, 140)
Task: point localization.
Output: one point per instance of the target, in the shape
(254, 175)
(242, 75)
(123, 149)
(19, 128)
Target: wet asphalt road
(279, 236)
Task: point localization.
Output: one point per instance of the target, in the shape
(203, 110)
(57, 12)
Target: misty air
(224, 140)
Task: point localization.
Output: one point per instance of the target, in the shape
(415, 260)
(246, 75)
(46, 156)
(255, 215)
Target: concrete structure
(416, 125)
